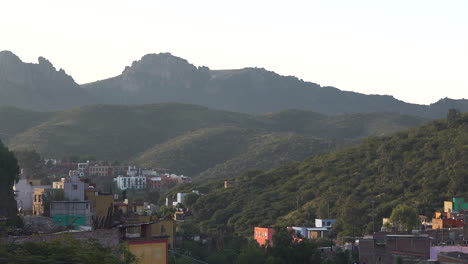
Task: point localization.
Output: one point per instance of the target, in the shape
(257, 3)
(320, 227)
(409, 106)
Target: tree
(405, 217)
(9, 175)
(190, 199)
(64, 249)
(252, 253)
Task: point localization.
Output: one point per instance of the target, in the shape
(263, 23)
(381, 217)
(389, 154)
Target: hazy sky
(416, 50)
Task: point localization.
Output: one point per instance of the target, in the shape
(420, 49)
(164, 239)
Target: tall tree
(9, 172)
(405, 216)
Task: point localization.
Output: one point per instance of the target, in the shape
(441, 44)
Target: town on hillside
(126, 213)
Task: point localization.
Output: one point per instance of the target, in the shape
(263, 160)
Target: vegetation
(405, 216)
(194, 140)
(9, 172)
(420, 167)
(63, 250)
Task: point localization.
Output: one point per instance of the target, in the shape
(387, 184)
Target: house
(130, 182)
(327, 223)
(98, 170)
(59, 184)
(102, 204)
(147, 248)
(229, 184)
(71, 213)
(318, 232)
(24, 191)
(383, 248)
(452, 257)
(264, 235)
(75, 189)
(38, 200)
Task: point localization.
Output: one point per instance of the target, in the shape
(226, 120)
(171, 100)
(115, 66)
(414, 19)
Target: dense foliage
(63, 250)
(420, 167)
(197, 141)
(9, 172)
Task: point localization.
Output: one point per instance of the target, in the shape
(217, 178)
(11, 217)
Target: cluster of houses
(443, 239)
(74, 205)
(138, 178)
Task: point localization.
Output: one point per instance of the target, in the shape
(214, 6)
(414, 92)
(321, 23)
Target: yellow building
(100, 203)
(59, 184)
(38, 201)
(165, 228)
(448, 206)
(150, 251)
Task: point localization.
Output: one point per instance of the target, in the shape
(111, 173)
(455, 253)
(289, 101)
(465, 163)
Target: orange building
(438, 223)
(264, 235)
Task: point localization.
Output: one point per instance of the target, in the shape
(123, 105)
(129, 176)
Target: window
(75, 187)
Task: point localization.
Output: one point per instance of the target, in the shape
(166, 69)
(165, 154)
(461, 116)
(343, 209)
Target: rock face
(37, 86)
(160, 78)
(165, 78)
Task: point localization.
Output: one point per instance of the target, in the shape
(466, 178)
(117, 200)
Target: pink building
(264, 235)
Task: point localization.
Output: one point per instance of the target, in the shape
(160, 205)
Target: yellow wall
(103, 203)
(149, 252)
(448, 206)
(164, 228)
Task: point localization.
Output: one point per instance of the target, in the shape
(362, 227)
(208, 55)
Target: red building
(264, 235)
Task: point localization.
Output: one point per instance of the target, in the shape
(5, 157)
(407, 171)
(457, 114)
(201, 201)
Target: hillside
(197, 141)
(38, 86)
(15, 121)
(420, 167)
(163, 77)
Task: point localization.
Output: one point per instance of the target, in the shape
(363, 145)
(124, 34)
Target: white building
(129, 182)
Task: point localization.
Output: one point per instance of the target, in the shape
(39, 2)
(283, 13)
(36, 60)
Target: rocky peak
(8, 57)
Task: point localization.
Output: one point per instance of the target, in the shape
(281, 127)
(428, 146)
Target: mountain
(161, 78)
(193, 140)
(166, 78)
(37, 86)
(420, 167)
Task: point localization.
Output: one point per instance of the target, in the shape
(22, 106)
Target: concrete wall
(437, 249)
(66, 213)
(106, 237)
(74, 191)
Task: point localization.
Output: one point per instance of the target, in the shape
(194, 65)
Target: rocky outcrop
(37, 86)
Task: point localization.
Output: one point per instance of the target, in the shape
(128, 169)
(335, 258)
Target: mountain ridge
(160, 78)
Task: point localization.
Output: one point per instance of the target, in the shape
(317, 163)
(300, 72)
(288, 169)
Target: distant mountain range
(158, 78)
(190, 139)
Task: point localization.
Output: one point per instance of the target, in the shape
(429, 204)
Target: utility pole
(373, 217)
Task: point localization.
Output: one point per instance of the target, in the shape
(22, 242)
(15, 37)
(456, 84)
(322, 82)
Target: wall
(437, 249)
(75, 190)
(408, 245)
(164, 228)
(106, 237)
(150, 251)
(262, 235)
(65, 213)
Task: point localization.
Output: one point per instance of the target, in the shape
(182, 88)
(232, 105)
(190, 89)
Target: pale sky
(415, 50)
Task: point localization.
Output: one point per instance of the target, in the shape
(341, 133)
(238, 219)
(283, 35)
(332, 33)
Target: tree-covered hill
(420, 167)
(192, 140)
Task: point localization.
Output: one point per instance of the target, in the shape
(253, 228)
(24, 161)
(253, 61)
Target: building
(387, 248)
(440, 223)
(318, 232)
(180, 197)
(229, 184)
(24, 191)
(71, 213)
(97, 170)
(264, 236)
(83, 168)
(75, 189)
(147, 248)
(130, 182)
(59, 184)
(102, 204)
(38, 200)
(327, 223)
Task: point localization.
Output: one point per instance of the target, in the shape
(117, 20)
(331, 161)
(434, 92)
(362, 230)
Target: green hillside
(14, 121)
(120, 132)
(193, 140)
(420, 167)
